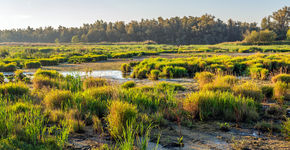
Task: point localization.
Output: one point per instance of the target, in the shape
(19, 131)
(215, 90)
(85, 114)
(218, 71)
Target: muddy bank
(202, 135)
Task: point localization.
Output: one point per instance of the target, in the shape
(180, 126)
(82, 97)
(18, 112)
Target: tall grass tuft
(282, 91)
(204, 78)
(94, 82)
(206, 105)
(58, 99)
(14, 90)
(119, 114)
(249, 90)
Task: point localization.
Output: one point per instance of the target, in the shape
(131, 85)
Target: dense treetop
(176, 30)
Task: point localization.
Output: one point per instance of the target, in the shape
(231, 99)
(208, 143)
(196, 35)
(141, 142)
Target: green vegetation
(257, 66)
(209, 105)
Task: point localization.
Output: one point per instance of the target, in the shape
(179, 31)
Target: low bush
(249, 90)
(32, 64)
(94, 82)
(220, 105)
(58, 99)
(120, 113)
(128, 84)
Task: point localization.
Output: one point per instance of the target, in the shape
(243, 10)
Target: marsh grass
(128, 84)
(249, 90)
(119, 114)
(58, 99)
(204, 78)
(13, 91)
(206, 105)
(91, 82)
(281, 91)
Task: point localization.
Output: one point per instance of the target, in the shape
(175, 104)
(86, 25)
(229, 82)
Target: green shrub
(119, 114)
(58, 99)
(94, 82)
(249, 90)
(220, 105)
(154, 74)
(204, 78)
(128, 84)
(32, 64)
(282, 78)
(267, 91)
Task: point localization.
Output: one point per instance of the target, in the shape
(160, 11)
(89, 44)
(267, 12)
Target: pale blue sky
(73, 13)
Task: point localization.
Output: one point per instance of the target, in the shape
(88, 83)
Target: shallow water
(110, 74)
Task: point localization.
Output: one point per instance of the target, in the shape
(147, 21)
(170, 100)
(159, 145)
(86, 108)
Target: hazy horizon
(74, 13)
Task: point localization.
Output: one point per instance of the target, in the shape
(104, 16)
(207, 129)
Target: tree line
(176, 30)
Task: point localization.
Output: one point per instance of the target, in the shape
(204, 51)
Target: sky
(74, 13)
